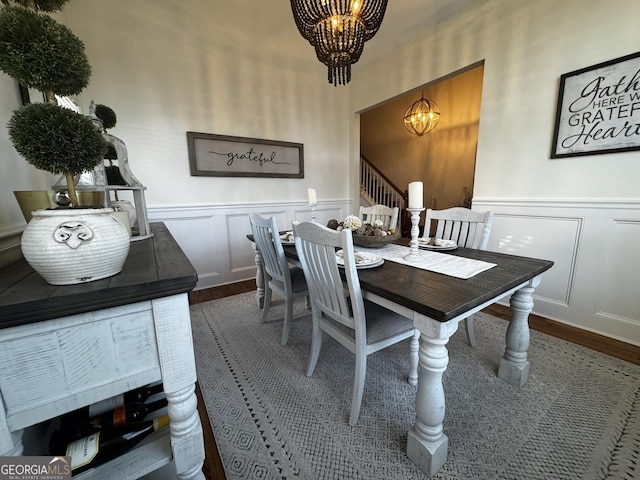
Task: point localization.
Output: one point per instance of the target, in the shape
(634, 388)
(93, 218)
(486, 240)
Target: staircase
(376, 189)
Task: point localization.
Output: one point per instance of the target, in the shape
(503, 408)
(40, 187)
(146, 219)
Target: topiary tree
(55, 139)
(106, 115)
(44, 54)
(108, 118)
(43, 5)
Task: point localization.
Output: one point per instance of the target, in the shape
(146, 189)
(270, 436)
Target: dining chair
(468, 228)
(388, 215)
(340, 311)
(285, 279)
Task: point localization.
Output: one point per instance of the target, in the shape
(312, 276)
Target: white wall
(526, 46)
(170, 67)
(581, 212)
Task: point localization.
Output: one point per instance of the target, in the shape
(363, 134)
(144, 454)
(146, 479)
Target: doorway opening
(443, 159)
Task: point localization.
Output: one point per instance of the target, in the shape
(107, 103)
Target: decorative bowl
(374, 241)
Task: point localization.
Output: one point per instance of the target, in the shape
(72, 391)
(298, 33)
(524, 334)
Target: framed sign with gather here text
(599, 109)
(224, 156)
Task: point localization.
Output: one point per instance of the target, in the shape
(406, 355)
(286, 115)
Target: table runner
(451, 265)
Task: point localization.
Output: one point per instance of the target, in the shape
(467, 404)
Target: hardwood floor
(199, 296)
(594, 341)
(213, 468)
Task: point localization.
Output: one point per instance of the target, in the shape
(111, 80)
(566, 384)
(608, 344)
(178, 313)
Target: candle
(313, 199)
(415, 195)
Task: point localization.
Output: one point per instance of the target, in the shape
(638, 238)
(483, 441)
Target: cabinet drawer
(54, 366)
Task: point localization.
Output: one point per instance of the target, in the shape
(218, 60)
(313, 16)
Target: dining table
(437, 302)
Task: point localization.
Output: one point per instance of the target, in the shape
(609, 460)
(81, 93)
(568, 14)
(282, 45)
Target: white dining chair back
(468, 228)
(286, 280)
(388, 215)
(339, 310)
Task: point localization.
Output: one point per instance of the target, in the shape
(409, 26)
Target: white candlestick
(313, 199)
(415, 195)
(414, 255)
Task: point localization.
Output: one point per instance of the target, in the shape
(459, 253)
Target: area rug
(576, 418)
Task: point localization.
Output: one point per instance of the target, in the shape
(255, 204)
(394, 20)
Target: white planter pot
(70, 246)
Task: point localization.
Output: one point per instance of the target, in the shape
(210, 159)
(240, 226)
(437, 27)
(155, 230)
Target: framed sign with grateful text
(224, 156)
(599, 109)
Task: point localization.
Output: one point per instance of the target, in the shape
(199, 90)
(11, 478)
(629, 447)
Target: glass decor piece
(114, 177)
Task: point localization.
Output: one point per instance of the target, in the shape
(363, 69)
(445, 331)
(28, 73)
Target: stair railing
(378, 189)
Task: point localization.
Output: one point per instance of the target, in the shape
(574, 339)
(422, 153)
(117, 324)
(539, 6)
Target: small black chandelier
(422, 116)
(338, 29)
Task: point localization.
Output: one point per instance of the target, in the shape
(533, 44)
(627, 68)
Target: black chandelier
(338, 29)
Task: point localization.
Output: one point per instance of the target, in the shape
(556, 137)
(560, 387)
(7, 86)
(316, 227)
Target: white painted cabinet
(54, 365)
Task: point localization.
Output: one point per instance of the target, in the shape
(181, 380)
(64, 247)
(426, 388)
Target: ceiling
(272, 23)
(404, 19)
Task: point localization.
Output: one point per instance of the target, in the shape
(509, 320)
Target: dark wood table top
(442, 297)
(155, 267)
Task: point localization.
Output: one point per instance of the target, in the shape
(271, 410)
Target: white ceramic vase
(76, 245)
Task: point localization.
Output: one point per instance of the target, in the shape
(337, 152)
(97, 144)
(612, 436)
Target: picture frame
(227, 156)
(598, 109)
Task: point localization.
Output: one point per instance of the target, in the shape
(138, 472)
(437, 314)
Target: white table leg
(426, 443)
(177, 362)
(259, 277)
(186, 434)
(514, 366)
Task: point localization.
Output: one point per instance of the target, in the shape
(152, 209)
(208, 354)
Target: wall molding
(243, 206)
(578, 203)
(213, 236)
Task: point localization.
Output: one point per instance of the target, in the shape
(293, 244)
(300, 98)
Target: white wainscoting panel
(620, 279)
(551, 238)
(594, 243)
(214, 237)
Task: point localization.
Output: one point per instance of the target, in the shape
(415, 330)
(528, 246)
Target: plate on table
(363, 260)
(437, 244)
(286, 238)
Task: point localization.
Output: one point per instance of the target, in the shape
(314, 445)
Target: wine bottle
(137, 395)
(105, 445)
(130, 412)
(75, 429)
